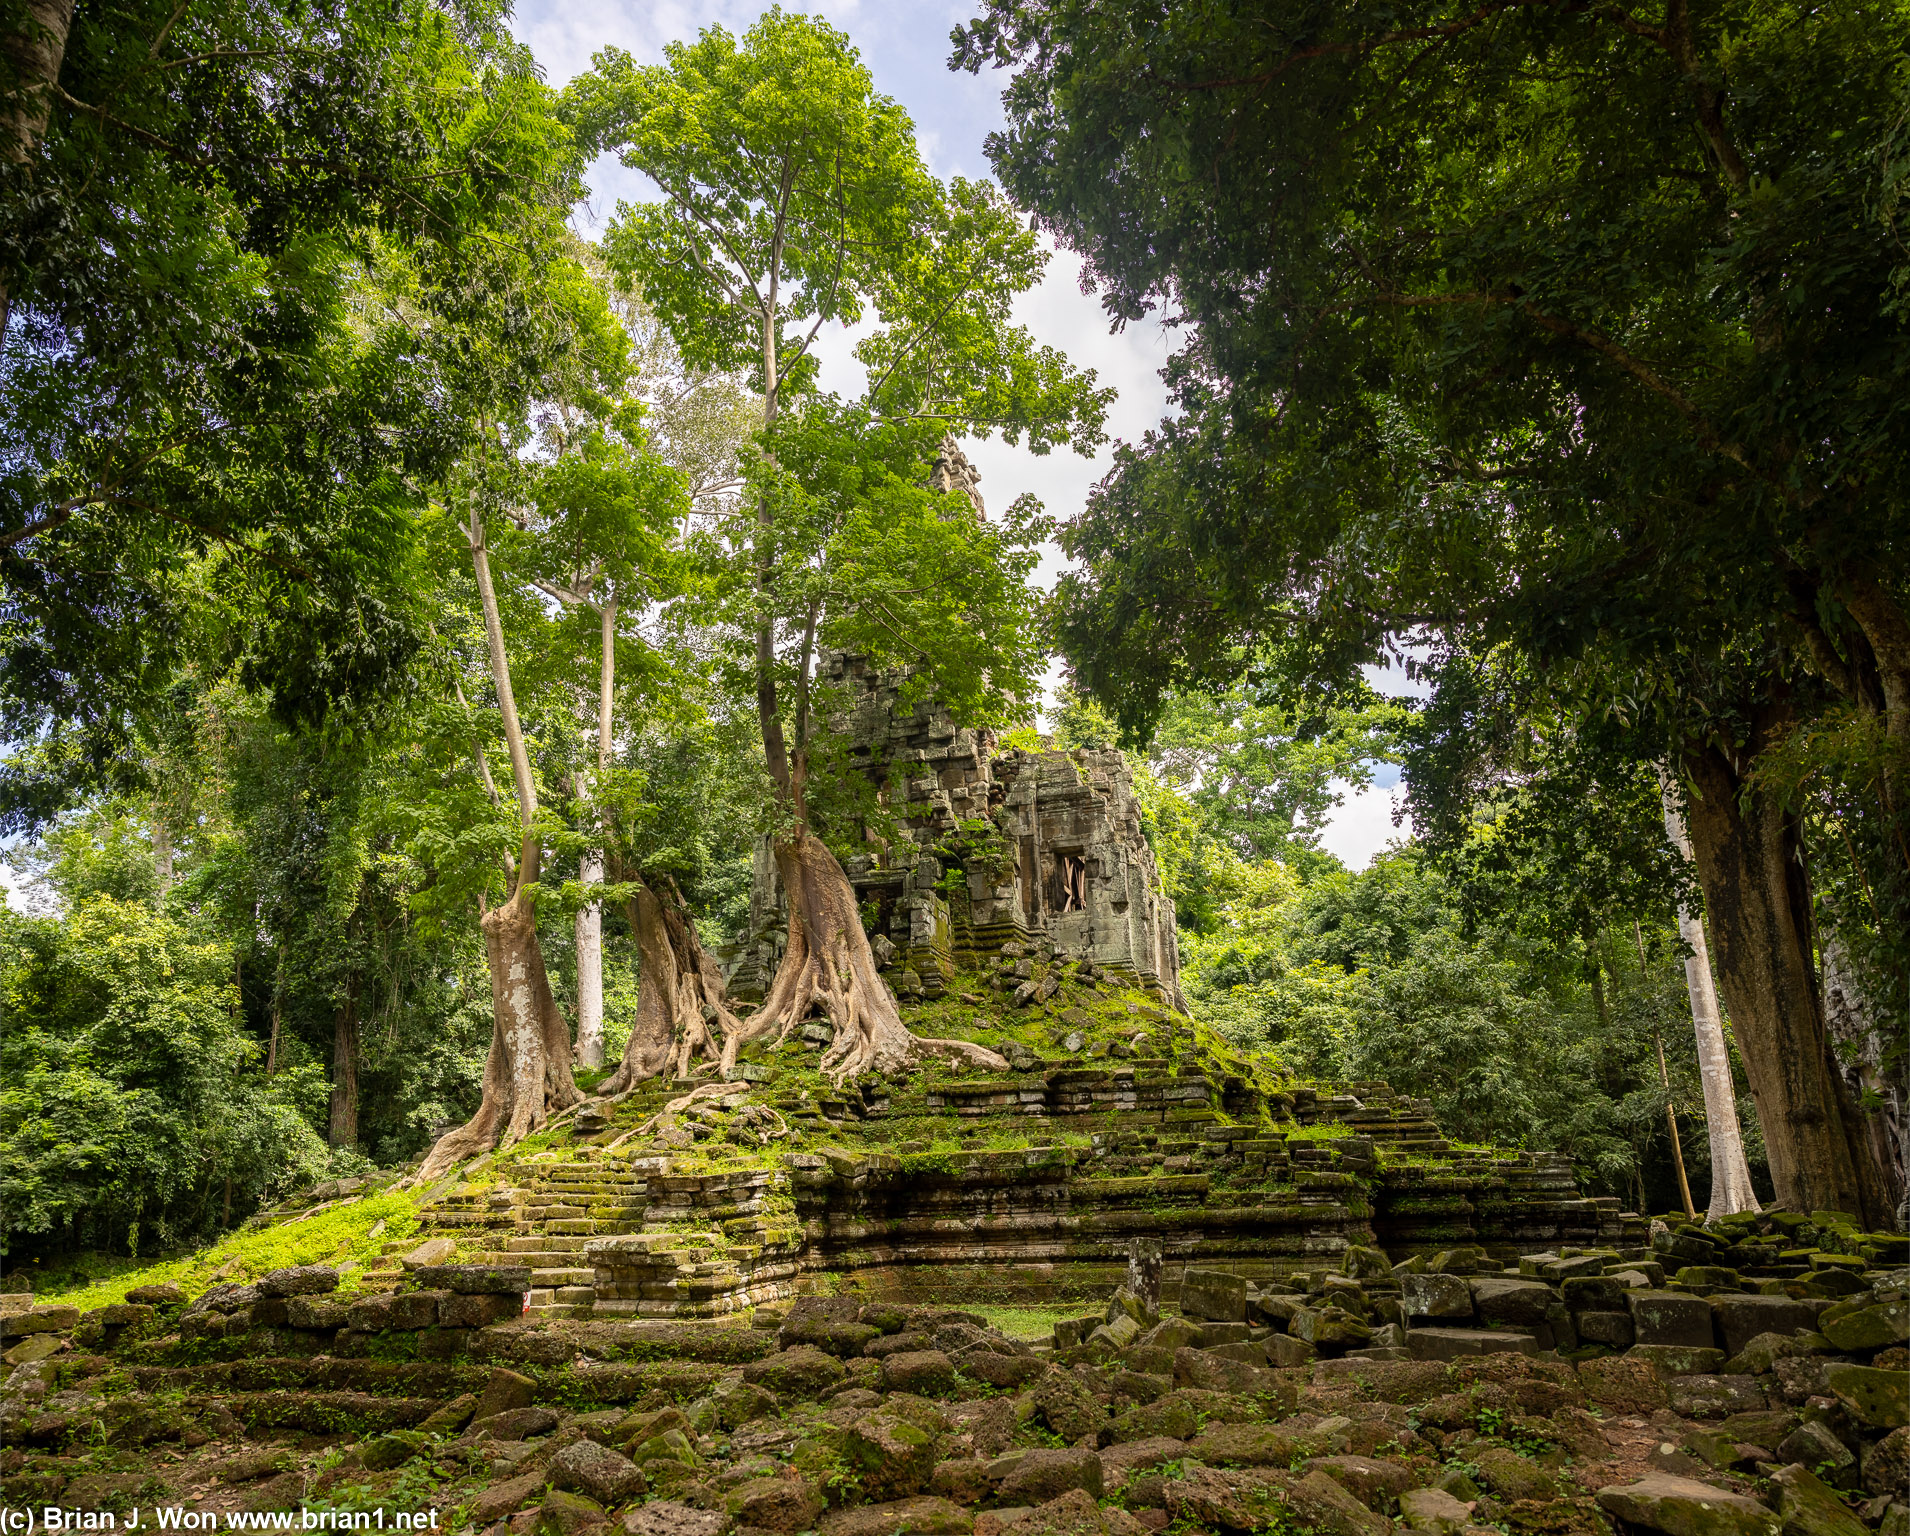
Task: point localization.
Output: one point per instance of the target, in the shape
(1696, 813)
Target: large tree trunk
(33, 56)
(1731, 1190)
(1755, 894)
(343, 1130)
(1862, 1051)
(682, 1012)
(527, 1073)
(590, 918)
(829, 965)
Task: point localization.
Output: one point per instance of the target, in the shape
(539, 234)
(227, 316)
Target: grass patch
(337, 1236)
(1028, 1322)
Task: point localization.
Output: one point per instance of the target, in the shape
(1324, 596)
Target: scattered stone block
(299, 1280)
(1213, 1295)
(1700, 1396)
(597, 1471)
(1670, 1318)
(1808, 1508)
(1879, 1399)
(1456, 1343)
(1041, 1475)
(1683, 1506)
(921, 1516)
(1429, 1295)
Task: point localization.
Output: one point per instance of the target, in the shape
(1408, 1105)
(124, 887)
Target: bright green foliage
(129, 1107)
(1379, 975)
(214, 429)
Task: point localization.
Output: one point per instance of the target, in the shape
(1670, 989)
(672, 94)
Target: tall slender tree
(793, 196)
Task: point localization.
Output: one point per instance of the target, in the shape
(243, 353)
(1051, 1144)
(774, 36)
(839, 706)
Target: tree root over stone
(829, 965)
(683, 1012)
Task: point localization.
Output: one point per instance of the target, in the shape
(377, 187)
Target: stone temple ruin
(1039, 851)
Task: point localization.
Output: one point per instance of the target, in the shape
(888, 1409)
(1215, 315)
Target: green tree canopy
(1577, 331)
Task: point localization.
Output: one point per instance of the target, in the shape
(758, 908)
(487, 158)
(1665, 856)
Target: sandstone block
(1714, 1397)
(459, 1310)
(1742, 1318)
(1501, 1299)
(1670, 1317)
(1041, 1475)
(1874, 1397)
(1868, 1328)
(474, 1279)
(795, 1373)
(597, 1471)
(299, 1280)
(1455, 1343)
(503, 1391)
(666, 1517)
(1433, 1511)
(922, 1516)
(1321, 1504)
(1213, 1295)
(1247, 1445)
(1808, 1508)
(1427, 1295)
(1683, 1506)
(785, 1503)
(893, 1457)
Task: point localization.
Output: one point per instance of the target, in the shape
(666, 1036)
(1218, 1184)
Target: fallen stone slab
(1454, 1343)
(1715, 1397)
(1809, 1508)
(1880, 1399)
(921, 1516)
(1683, 1506)
(1741, 1319)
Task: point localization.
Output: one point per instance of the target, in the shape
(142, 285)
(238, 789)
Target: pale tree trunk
(1731, 1189)
(1749, 865)
(590, 965)
(590, 916)
(162, 856)
(527, 1073)
(682, 1012)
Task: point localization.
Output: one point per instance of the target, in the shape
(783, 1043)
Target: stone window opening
(1070, 883)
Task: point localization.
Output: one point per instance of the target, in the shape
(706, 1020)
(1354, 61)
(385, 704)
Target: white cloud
(1362, 826)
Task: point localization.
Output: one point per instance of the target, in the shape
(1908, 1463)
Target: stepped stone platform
(898, 1188)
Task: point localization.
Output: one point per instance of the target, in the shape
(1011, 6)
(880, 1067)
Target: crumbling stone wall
(996, 847)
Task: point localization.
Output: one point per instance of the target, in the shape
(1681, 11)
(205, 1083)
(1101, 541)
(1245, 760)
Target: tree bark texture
(1731, 1189)
(682, 1011)
(829, 965)
(590, 965)
(343, 1130)
(527, 1073)
(1860, 1051)
(34, 54)
(1758, 902)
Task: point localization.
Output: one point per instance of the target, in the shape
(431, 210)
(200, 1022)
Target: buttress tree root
(683, 1012)
(527, 1073)
(829, 964)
